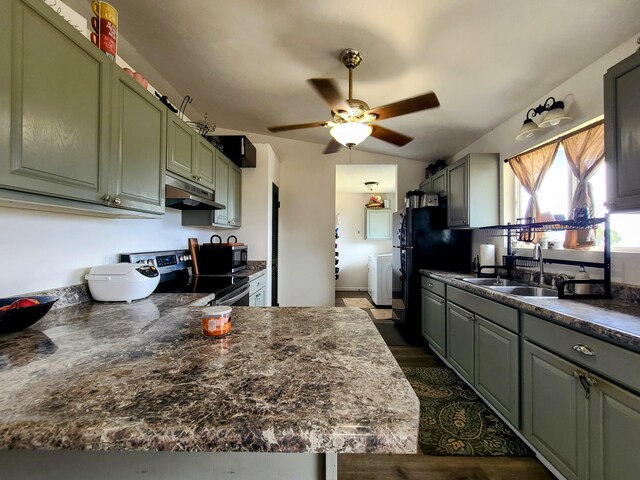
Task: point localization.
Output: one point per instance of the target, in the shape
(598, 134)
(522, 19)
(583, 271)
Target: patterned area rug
(454, 421)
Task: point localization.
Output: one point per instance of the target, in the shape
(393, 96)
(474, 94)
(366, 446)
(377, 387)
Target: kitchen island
(125, 378)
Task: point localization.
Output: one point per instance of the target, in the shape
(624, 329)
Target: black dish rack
(521, 231)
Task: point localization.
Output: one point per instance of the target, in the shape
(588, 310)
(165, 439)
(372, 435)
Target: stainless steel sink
(525, 291)
(491, 282)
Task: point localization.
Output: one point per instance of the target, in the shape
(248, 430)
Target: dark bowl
(16, 319)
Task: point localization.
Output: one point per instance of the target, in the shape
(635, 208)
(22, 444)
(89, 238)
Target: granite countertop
(611, 320)
(141, 376)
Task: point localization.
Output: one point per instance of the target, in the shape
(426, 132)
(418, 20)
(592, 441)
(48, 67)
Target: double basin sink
(513, 287)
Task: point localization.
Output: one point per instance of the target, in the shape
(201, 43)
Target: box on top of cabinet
(239, 150)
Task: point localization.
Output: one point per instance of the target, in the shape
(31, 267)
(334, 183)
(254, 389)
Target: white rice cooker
(122, 282)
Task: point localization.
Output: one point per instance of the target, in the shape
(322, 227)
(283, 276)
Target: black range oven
(175, 277)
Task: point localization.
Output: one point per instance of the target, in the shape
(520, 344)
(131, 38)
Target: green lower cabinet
(460, 340)
(614, 423)
(434, 321)
(555, 411)
(496, 369)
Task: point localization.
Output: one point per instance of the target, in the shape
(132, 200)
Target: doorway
(365, 203)
(275, 207)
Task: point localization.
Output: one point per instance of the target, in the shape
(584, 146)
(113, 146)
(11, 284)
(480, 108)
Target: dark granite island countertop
(142, 377)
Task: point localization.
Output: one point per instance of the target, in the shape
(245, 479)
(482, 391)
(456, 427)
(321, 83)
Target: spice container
(216, 321)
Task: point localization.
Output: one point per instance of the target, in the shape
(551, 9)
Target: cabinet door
(458, 194)
(555, 411)
(222, 188)
(378, 224)
(622, 134)
(460, 344)
(497, 368)
(181, 145)
(426, 185)
(433, 321)
(138, 149)
(59, 106)
(614, 421)
(205, 164)
(235, 193)
(439, 183)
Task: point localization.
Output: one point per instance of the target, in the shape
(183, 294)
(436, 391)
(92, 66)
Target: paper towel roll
(487, 254)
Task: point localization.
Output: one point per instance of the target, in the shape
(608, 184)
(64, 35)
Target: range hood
(185, 196)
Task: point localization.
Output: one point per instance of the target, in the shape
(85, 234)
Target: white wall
(44, 250)
(586, 94)
(353, 249)
(257, 201)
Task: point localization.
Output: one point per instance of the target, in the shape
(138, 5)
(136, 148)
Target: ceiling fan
(352, 119)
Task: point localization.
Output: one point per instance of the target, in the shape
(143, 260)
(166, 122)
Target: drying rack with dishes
(526, 231)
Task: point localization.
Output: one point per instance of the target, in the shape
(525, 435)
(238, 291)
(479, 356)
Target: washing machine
(380, 278)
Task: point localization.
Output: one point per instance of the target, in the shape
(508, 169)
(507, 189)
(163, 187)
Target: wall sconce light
(551, 113)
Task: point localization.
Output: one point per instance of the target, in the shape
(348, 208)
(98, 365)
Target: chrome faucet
(537, 255)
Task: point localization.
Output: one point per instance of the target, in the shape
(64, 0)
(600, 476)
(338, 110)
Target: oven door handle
(226, 300)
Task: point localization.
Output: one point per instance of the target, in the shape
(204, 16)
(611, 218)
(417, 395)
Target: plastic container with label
(216, 321)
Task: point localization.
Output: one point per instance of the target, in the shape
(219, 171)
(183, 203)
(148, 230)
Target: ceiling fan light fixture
(529, 130)
(351, 134)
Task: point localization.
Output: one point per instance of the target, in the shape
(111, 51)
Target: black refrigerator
(422, 240)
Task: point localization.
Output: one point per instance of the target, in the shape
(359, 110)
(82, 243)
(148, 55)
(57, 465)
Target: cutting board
(193, 251)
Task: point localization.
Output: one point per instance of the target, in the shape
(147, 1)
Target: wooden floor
(428, 467)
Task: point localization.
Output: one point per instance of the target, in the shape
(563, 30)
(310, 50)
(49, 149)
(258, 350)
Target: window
(556, 191)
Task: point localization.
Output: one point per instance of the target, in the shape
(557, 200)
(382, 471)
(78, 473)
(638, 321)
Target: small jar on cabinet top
(216, 321)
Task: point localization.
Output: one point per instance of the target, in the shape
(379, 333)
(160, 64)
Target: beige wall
(586, 94)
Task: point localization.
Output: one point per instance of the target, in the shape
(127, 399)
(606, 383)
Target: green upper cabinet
(622, 134)
(138, 147)
(205, 165)
(181, 148)
(377, 223)
(189, 154)
(73, 125)
(234, 205)
(473, 191)
(223, 165)
(439, 182)
(59, 105)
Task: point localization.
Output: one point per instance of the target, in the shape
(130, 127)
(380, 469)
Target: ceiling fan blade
(330, 93)
(332, 147)
(390, 136)
(283, 128)
(408, 105)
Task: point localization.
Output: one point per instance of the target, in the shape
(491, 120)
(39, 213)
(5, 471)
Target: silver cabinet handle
(117, 201)
(430, 285)
(439, 302)
(470, 316)
(584, 349)
(107, 198)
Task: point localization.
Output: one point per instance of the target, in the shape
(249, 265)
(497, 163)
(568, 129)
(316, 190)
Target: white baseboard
(352, 289)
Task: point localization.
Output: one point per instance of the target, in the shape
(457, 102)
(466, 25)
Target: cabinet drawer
(257, 283)
(609, 360)
(434, 286)
(504, 316)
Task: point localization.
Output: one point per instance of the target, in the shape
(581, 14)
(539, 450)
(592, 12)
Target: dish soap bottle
(582, 288)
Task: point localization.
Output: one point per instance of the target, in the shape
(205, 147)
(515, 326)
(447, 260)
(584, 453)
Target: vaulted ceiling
(246, 62)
